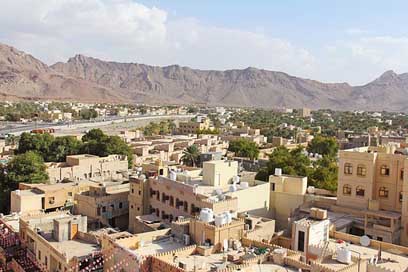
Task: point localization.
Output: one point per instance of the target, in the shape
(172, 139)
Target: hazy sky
(330, 40)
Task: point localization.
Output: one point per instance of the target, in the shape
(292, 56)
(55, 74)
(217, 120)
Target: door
(74, 231)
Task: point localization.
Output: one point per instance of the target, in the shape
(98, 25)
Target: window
(46, 260)
(171, 201)
(140, 192)
(39, 255)
(385, 170)
(69, 193)
(185, 206)
(402, 174)
(360, 191)
(400, 197)
(348, 169)
(103, 209)
(273, 187)
(361, 170)
(383, 192)
(120, 205)
(51, 200)
(346, 189)
(133, 191)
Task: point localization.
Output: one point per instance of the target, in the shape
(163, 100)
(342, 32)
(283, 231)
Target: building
(84, 167)
(373, 182)
(305, 112)
(185, 194)
(46, 197)
(287, 193)
(192, 127)
(60, 242)
(106, 204)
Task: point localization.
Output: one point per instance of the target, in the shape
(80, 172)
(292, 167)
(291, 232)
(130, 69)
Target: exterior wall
(219, 173)
(258, 205)
(83, 167)
(202, 232)
(109, 209)
(373, 181)
(25, 203)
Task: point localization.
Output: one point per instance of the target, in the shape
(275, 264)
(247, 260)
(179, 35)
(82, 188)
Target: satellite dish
(365, 240)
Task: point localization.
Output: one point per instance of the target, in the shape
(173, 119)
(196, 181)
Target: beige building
(46, 197)
(287, 193)
(84, 167)
(106, 204)
(192, 127)
(60, 242)
(185, 194)
(374, 183)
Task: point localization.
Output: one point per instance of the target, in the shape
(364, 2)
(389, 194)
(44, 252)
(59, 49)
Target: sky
(352, 41)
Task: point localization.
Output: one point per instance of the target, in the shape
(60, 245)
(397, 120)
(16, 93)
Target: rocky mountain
(88, 79)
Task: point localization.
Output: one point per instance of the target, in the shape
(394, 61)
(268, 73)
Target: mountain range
(88, 79)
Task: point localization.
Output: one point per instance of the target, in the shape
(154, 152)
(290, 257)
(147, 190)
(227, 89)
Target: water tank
(217, 191)
(233, 188)
(278, 171)
(220, 220)
(206, 215)
(311, 189)
(228, 216)
(244, 185)
(142, 177)
(235, 179)
(186, 239)
(343, 255)
(173, 175)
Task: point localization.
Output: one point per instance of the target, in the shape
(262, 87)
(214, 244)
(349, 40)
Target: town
(116, 187)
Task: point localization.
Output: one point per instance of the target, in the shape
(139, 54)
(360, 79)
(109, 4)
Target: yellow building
(84, 167)
(374, 183)
(60, 242)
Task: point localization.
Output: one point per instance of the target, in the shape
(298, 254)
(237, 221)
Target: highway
(16, 128)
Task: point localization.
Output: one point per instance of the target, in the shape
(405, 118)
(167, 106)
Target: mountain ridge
(89, 79)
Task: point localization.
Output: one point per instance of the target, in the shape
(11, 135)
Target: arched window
(348, 168)
(360, 191)
(385, 170)
(400, 196)
(361, 170)
(346, 189)
(383, 192)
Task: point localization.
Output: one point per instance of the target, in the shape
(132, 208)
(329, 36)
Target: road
(18, 128)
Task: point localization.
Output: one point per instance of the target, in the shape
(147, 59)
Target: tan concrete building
(373, 181)
(106, 204)
(192, 127)
(287, 193)
(46, 197)
(185, 195)
(60, 242)
(84, 167)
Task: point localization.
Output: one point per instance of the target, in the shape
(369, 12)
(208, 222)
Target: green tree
(325, 174)
(292, 162)
(244, 148)
(40, 143)
(98, 143)
(62, 147)
(28, 168)
(88, 114)
(326, 146)
(191, 155)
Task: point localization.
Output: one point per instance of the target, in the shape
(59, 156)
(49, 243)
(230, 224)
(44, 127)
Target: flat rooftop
(72, 248)
(391, 259)
(158, 246)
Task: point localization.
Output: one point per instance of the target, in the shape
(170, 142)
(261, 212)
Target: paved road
(18, 128)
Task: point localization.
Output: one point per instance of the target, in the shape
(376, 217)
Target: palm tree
(191, 155)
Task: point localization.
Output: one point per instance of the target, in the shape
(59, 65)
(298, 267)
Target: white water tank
(228, 216)
(220, 220)
(343, 255)
(233, 188)
(244, 185)
(206, 215)
(217, 191)
(173, 175)
(235, 179)
(278, 171)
